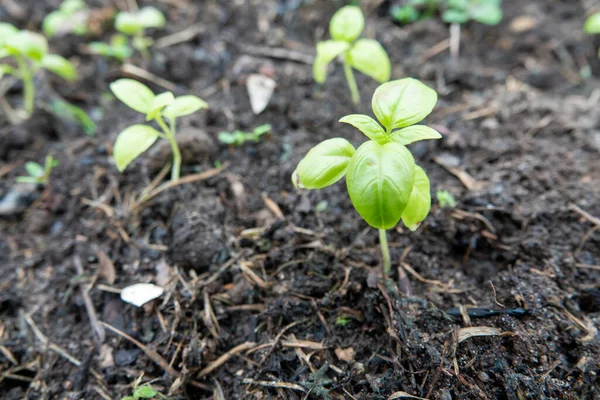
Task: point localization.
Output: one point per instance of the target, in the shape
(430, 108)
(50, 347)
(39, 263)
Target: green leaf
(144, 392)
(128, 23)
(403, 102)
(52, 23)
(366, 125)
(324, 164)
(60, 66)
(261, 130)
(134, 94)
(226, 137)
(6, 30)
(370, 58)
(151, 17)
(160, 101)
(132, 142)
(129, 398)
(70, 6)
(380, 180)
(455, 16)
(419, 202)
(28, 44)
(414, 133)
(65, 110)
(347, 24)
(488, 13)
(184, 105)
(592, 24)
(34, 169)
(326, 51)
(26, 179)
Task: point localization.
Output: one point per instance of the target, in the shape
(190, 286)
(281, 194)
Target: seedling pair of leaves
(71, 17)
(136, 139)
(238, 138)
(142, 392)
(38, 174)
(414, 10)
(592, 26)
(487, 12)
(29, 52)
(384, 183)
(133, 25)
(364, 55)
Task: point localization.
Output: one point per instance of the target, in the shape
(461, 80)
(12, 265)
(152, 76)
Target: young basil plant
(71, 17)
(135, 23)
(136, 139)
(445, 199)
(364, 55)
(383, 181)
(29, 52)
(37, 173)
(118, 48)
(414, 10)
(238, 138)
(487, 12)
(592, 26)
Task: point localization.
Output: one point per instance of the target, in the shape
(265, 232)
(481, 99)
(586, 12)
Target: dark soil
(301, 295)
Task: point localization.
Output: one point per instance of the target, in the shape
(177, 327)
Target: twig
(277, 53)
(179, 37)
(585, 214)
(130, 69)
(275, 384)
(225, 357)
(100, 335)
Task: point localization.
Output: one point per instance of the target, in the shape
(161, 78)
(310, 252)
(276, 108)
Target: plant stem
(351, 81)
(28, 86)
(385, 252)
(170, 133)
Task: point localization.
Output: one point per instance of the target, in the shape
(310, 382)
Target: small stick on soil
(585, 214)
(495, 298)
(435, 50)
(100, 335)
(225, 357)
(277, 53)
(130, 69)
(154, 356)
(179, 37)
(454, 41)
(466, 179)
(588, 266)
(275, 384)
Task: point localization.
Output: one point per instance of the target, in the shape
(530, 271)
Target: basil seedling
(592, 26)
(384, 183)
(118, 48)
(29, 51)
(37, 173)
(445, 199)
(238, 138)
(364, 55)
(487, 12)
(71, 17)
(136, 139)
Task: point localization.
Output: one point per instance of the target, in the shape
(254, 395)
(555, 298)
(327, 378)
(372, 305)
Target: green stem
(351, 81)
(28, 86)
(170, 133)
(385, 252)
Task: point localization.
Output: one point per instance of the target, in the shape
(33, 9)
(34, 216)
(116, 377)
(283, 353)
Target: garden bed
(273, 292)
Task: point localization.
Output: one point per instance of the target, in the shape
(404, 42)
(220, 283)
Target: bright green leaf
(134, 94)
(184, 105)
(324, 164)
(592, 24)
(414, 133)
(6, 30)
(380, 180)
(60, 66)
(52, 23)
(151, 17)
(144, 392)
(366, 125)
(347, 24)
(488, 13)
(28, 44)
(34, 169)
(455, 16)
(326, 52)
(226, 137)
(370, 58)
(27, 179)
(132, 142)
(419, 202)
(403, 102)
(128, 23)
(160, 101)
(70, 6)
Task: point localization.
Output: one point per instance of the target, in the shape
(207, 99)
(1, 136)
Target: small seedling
(384, 183)
(37, 173)
(364, 55)
(136, 139)
(445, 199)
(592, 26)
(71, 17)
(414, 10)
(486, 12)
(238, 138)
(142, 392)
(118, 48)
(29, 51)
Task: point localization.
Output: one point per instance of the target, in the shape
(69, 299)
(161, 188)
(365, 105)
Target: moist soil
(274, 293)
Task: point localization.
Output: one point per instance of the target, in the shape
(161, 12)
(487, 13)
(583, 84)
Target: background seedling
(136, 139)
(364, 55)
(37, 173)
(118, 48)
(29, 51)
(592, 26)
(414, 10)
(71, 17)
(238, 138)
(384, 183)
(445, 199)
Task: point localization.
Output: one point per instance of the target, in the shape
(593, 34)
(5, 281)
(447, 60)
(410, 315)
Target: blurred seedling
(132, 25)
(27, 53)
(592, 26)
(238, 138)
(364, 55)
(445, 199)
(414, 10)
(384, 183)
(37, 173)
(136, 139)
(71, 17)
